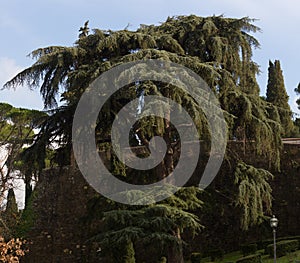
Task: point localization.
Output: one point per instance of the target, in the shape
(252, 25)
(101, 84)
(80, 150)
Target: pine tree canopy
(16, 133)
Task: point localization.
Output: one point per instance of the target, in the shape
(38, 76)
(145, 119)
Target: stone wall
(286, 188)
(60, 231)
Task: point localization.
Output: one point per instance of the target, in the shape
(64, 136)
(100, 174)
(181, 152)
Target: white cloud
(278, 19)
(8, 68)
(22, 96)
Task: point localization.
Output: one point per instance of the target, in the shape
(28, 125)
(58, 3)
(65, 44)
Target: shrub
(256, 258)
(264, 243)
(11, 251)
(196, 257)
(248, 249)
(282, 248)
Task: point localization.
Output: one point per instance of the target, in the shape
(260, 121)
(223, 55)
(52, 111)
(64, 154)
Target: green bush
(249, 249)
(196, 257)
(283, 248)
(256, 258)
(288, 238)
(264, 243)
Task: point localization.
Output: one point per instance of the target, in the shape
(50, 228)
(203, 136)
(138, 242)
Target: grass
(234, 256)
(290, 258)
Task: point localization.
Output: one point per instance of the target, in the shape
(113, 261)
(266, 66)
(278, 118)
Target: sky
(28, 25)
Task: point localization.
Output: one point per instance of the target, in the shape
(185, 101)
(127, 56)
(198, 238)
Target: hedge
(264, 243)
(282, 248)
(256, 258)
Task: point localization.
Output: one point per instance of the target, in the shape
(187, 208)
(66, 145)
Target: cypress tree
(277, 95)
(297, 90)
(297, 120)
(11, 206)
(11, 212)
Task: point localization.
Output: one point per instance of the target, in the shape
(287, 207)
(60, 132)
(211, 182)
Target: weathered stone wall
(286, 189)
(60, 231)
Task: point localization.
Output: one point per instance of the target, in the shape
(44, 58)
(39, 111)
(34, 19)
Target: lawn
(234, 256)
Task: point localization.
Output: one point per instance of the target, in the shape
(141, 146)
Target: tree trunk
(28, 189)
(175, 254)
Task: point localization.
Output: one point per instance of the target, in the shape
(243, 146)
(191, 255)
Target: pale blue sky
(27, 25)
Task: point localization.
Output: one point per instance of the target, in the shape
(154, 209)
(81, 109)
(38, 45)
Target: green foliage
(282, 248)
(11, 214)
(124, 253)
(219, 49)
(254, 193)
(256, 258)
(16, 132)
(216, 48)
(159, 225)
(249, 249)
(297, 124)
(277, 95)
(17, 124)
(264, 243)
(276, 92)
(297, 90)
